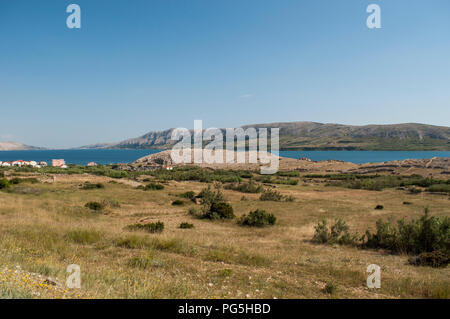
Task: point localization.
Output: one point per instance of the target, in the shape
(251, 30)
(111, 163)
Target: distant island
(15, 146)
(309, 136)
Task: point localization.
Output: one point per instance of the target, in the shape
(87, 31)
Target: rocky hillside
(318, 136)
(14, 146)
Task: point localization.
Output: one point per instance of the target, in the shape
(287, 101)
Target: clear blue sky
(137, 66)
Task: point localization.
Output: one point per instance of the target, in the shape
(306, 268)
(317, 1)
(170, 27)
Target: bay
(82, 157)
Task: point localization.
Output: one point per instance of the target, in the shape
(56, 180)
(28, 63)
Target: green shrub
(330, 288)
(407, 203)
(177, 202)
(338, 233)
(157, 227)
(289, 174)
(414, 190)
(219, 211)
(271, 195)
(209, 196)
(4, 183)
(248, 187)
(435, 259)
(15, 180)
(426, 234)
(275, 196)
(439, 188)
(271, 180)
(88, 186)
(189, 195)
(379, 207)
(185, 225)
(94, 206)
(154, 187)
(257, 218)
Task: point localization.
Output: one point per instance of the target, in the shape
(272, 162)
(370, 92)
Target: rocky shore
(425, 167)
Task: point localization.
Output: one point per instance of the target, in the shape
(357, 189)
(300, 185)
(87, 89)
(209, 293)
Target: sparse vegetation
(426, 234)
(185, 225)
(95, 206)
(246, 187)
(43, 234)
(257, 218)
(177, 202)
(338, 233)
(154, 187)
(274, 196)
(88, 186)
(219, 210)
(157, 227)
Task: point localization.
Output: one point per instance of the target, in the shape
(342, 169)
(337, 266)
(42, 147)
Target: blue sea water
(82, 157)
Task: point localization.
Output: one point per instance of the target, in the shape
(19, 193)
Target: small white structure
(6, 164)
(43, 164)
(59, 163)
(18, 163)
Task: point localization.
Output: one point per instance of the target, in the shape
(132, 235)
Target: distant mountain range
(318, 136)
(14, 146)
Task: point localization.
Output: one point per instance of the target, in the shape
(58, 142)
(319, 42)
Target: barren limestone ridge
(319, 136)
(435, 166)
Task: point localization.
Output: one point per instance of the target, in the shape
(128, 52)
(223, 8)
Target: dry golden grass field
(44, 227)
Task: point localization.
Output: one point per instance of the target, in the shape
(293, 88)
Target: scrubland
(47, 224)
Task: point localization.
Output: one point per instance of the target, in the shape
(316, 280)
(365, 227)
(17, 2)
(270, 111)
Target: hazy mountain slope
(14, 146)
(318, 136)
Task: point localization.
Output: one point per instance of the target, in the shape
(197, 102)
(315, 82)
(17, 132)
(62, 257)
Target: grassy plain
(45, 226)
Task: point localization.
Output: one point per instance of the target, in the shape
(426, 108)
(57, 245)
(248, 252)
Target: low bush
(435, 259)
(153, 187)
(275, 196)
(4, 183)
(257, 218)
(177, 202)
(414, 190)
(271, 195)
(426, 234)
(185, 225)
(272, 180)
(439, 188)
(15, 181)
(247, 187)
(188, 195)
(379, 207)
(407, 203)
(88, 186)
(209, 196)
(219, 210)
(338, 233)
(330, 288)
(157, 227)
(94, 206)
